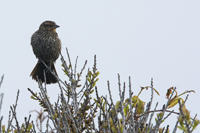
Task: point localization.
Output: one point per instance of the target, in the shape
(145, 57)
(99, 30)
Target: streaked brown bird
(47, 47)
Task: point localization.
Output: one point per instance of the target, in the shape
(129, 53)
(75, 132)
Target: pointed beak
(56, 26)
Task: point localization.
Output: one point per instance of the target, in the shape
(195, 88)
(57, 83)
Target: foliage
(76, 109)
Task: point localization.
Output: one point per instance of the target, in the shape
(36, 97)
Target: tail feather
(39, 71)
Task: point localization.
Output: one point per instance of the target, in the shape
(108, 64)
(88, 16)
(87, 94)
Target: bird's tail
(39, 71)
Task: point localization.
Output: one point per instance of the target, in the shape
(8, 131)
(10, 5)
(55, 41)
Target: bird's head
(48, 26)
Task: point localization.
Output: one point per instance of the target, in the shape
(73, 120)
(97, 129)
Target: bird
(46, 46)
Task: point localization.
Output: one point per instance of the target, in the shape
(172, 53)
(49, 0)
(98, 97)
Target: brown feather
(39, 71)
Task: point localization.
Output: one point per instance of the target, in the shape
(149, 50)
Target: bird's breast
(46, 46)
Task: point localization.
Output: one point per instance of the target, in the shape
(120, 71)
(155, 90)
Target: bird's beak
(56, 26)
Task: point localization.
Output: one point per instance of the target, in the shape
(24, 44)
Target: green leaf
(113, 129)
(117, 105)
(93, 85)
(134, 100)
(126, 109)
(69, 66)
(140, 106)
(89, 73)
(91, 91)
(89, 80)
(33, 97)
(180, 120)
(104, 105)
(173, 102)
(101, 100)
(121, 128)
(3, 128)
(78, 85)
(196, 122)
(97, 73)
(30, 126)
(85, 93)
(96, 80)
(98, 105)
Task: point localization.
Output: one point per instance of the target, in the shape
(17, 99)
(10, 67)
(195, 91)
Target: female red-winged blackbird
(47, 47)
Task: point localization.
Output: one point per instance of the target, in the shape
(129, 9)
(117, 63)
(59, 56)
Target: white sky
(141, 39)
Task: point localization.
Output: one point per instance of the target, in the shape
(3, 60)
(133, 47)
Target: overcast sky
(142, 39)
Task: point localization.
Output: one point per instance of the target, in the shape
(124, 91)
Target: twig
(132, 123)
(1, 80)
(69, 61)
(182, 114)
(121, 103)
(75, 68)
(27, 122)
(13, 111)
(148, 127)
(113, 106)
